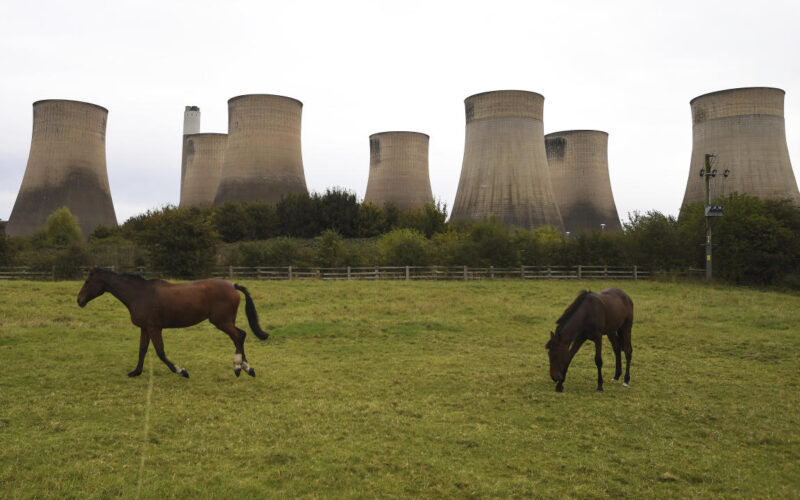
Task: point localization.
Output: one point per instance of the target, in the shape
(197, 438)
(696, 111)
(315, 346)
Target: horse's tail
(252, 315)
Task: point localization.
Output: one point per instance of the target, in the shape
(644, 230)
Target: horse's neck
(123, 289)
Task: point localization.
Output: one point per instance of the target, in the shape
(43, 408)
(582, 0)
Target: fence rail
(408, 273)
(432, 273)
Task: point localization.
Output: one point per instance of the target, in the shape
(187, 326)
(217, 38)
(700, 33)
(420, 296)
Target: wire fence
(377, 273)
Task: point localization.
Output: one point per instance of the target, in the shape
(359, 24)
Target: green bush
(371, 220)
(61, 229)
(428, 219)
(404, 247)
(179, 242)
(331, 251)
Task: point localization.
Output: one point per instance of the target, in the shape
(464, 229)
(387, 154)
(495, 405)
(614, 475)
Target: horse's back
(618, 306)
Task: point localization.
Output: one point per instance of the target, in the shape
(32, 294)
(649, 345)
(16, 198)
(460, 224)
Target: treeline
(756, 243)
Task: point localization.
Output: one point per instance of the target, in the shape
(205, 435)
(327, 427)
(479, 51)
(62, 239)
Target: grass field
(402, 389)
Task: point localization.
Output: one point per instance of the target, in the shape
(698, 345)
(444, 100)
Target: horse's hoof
(615, 379)
(251, 372)
(600, 391)
(184, 373)
(237, 372)
(134, 373)
(559, 388)
(625, 384)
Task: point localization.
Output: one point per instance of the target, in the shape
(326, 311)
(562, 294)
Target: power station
(578, 163)
(398, 170)
(204, 155)
(263, 160)
(66, 167)
(191, 125)
(745, 129)
(504, 173)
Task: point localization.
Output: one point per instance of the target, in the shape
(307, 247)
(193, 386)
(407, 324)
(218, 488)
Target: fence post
(522, 272)
(605, 271)
(580, 271)
(53, 271)
(491, 272)
(230, 272)
(406, 273)
(549, 273)
(435, 276)
(348, 272)
(290, 273)
(635, 273)
(465, 273)
(377, 274)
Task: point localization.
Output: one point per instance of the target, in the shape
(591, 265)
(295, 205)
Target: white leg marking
(245, 366)
(237, 361)
(625, 384)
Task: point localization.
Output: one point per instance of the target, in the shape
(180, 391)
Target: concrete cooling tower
(66, 167)
(191, 125)
(204, 155)
(398, 170)
(745, 129)
(578, 162)
(263, 161)
(504, 173)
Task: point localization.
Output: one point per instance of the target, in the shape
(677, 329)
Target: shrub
(428, 220)
(61, 229)
(371, 220)
(338, 210)
(404, 247)
(298, 216)
(179, 242)
(331, 251)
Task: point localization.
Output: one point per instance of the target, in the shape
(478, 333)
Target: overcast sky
(629, 68)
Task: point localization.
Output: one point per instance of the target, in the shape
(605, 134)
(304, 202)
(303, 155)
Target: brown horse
(157, 304)
(589, 317)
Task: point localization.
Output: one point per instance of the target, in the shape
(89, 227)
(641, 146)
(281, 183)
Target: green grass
(402, 389)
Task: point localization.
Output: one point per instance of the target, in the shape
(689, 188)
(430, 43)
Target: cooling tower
(578, 163)
(66, 167)
(745, 129)
(504, 173)
(263, 161)
(204, 154)
(398, 170)
(191, 125)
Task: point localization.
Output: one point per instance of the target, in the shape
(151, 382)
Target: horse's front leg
(144, 343)
(158, 343)
(598, 360)
(572, 351)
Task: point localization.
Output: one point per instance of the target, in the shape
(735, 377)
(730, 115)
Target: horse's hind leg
(158, 343)
(144, 342)
(626, 345)
(238, 335)
(616, 344)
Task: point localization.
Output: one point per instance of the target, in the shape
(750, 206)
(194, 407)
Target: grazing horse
(157, 304)
(589, 317)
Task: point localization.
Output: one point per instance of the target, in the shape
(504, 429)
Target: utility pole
(711, 210)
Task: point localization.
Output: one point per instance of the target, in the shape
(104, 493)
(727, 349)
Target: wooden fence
(420, 273)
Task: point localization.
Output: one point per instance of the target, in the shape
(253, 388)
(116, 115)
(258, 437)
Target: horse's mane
(560, 322)
(135, 277)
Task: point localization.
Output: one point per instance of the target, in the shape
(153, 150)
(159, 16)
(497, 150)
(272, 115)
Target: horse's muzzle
(81, 303)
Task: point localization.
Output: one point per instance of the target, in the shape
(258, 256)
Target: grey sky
(629, 68)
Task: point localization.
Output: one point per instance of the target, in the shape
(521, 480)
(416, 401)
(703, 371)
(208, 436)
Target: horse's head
(92, 288)
(558, 351)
